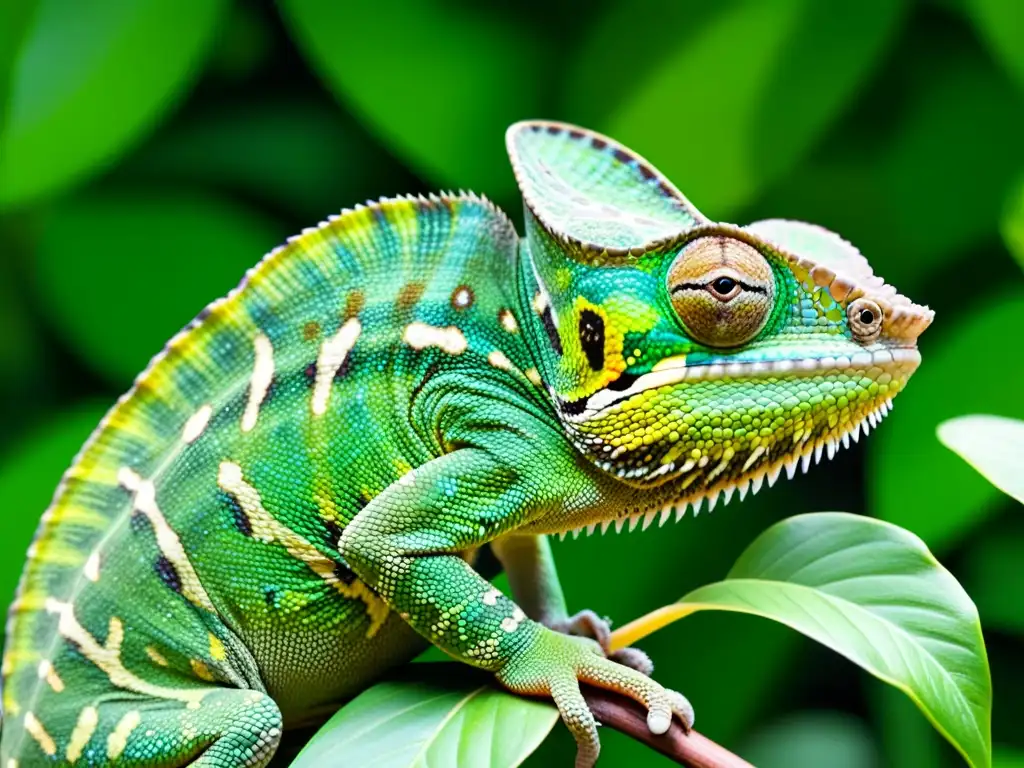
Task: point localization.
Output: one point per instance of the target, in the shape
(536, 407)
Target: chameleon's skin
(289, 500)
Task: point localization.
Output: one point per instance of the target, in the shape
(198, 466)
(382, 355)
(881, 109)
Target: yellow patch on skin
(201, 670)
(155, 656)
(449, 339)
(332, 355)
(498, 359)
(118, 738)
(49, 674)
(259, 384)
(196, 424)
(508, 321)
(38, 732)
(534, 376)
(217, 652)
(91, 569)
(166, 539)
(88, 719)
(266, 528)
(107, 657)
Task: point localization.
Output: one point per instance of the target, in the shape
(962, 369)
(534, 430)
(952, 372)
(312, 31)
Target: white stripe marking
(196, 424)
(332, 354)
(259, 384)
(421, 336)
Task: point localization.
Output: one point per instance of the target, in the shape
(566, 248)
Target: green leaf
(782, 73)
(438, 715)
(1007, 757)
(15, 19)
(874, 593)
(992, 445)
(440, 87)
(1000, 23)
(904, 458)
(80, 99)
(121, 272)
(29, 475)
(1011, 226)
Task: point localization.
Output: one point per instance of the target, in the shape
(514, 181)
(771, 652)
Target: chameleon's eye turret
(865, 318)
(723, 291)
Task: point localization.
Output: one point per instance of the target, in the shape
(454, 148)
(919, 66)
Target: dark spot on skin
(168, 573)
(344, 368)
(577, 134)
(624, 382)
(548, 321)
(554, 130)
(622, 156)
(310, 373)
(408, 296)
(310, 330)
(646, 171)
(238, 516)
(592, 338)
(598, 143)
(354, 303)
(333, 533)
(462, 298)
(573, 407)
(270, 595)
(344, 574)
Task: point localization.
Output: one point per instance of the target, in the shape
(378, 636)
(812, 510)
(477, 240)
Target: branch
(625, 715)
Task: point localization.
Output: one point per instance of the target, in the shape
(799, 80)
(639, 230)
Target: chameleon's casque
(290, 499)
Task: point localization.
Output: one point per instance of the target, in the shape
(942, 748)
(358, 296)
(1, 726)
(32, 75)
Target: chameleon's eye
(723, 291)
(865, 318)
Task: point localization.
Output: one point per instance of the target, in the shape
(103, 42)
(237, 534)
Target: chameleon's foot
(586, 623)
(555, 665)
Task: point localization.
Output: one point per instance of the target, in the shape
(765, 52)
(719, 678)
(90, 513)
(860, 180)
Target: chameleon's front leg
(406, 544)
(533, 577)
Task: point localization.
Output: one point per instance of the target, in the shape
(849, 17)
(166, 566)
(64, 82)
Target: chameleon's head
(683, 351)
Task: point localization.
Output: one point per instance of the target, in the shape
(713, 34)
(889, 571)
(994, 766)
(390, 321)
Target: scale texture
(290, 500)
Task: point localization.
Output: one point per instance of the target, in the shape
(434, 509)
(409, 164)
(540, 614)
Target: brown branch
(691, 749)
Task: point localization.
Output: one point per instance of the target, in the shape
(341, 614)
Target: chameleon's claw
(556, 664)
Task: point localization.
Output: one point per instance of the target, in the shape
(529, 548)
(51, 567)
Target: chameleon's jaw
(707, 433)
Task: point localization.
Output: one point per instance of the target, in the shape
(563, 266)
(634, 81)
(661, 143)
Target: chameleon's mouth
(675, 370)
(811, 450)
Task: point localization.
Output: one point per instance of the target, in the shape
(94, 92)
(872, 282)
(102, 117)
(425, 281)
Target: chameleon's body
(290, 499)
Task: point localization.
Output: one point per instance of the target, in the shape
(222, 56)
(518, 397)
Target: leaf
(728, 100)
(440, 87)
(121, 272)
(1007, 757)
(29, 475)
(992, 445)
(79, 100)
(904, 458)
(437, 715)
(873, 593)
(1000, 23)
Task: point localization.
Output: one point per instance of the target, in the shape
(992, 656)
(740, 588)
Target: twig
(623, 714)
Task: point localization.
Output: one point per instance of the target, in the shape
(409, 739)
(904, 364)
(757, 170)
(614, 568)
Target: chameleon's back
(159, 571)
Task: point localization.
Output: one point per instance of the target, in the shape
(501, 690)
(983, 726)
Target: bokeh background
(151, 151)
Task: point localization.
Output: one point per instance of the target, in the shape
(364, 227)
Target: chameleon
(292, 497)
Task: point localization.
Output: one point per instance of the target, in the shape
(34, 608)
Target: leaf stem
(690, 749)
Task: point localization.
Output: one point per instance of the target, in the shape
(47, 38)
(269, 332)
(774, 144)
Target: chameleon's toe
(586, 623)
(633, 658)
(555, 664)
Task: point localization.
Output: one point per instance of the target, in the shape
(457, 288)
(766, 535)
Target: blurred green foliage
(151, 151)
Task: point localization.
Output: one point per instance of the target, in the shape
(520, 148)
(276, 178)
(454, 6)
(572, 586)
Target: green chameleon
(291, 498)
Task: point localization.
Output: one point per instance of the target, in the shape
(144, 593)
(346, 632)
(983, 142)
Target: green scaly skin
(289, 501)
